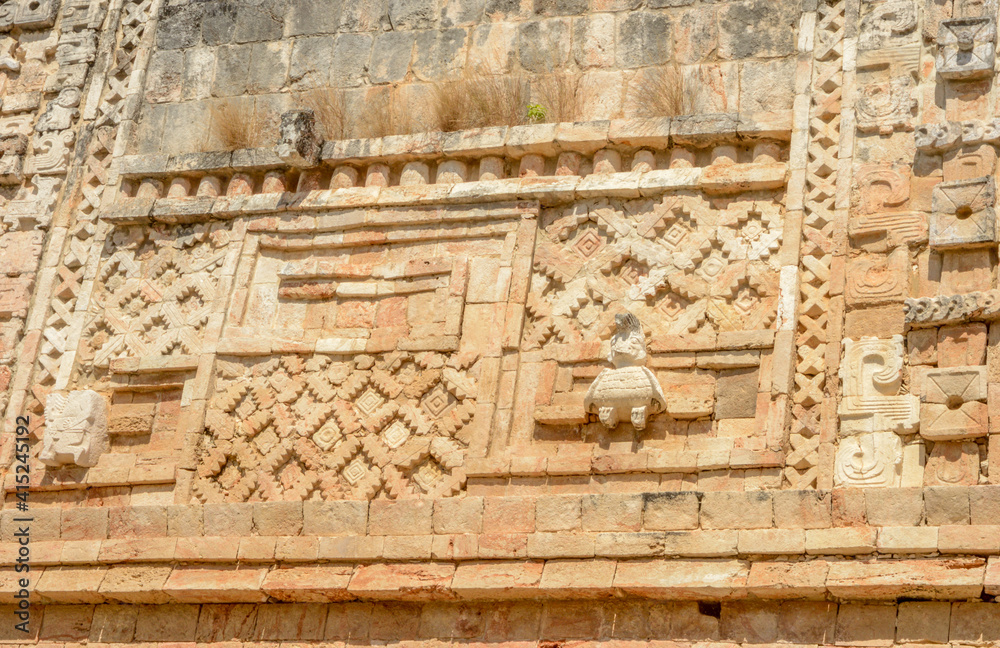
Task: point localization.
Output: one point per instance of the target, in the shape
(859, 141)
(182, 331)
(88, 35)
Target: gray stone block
(311, 62)
(199, 70)
(391, 56)
(268, 66)
(502, 7)
(218, 23)
(461, 12)
(766, 86)
(438, 54)
(308, 17)
(560, 7)
(165, 76)
(758, 28)
(543, 45)
(413, 14)
(264, 21)
(643, 39)
(371, 15)
(736, 393)
(232, 69)
(351, 53)
(179, 27)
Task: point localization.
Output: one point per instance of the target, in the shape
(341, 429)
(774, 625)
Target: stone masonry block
(137, 522)
(334, 518)
(509, 515)
(670, 511)
(737, 510)
(923, 622)
(946, 505)
(400, 517)
(84, 523)
(975, 623)
(458, 515)
(185, 521)
(612, 512)
(228, 520)
(984, 504)
(804, 509)
(277, 518)
(894, 506)
(866, 625)
(558, 513)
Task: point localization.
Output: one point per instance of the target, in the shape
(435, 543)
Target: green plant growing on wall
(536, 113)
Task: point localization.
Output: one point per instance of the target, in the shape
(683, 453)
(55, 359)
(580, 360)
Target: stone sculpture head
(76, 429)
(628, 345)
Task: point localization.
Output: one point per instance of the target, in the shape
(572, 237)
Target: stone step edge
(875, 580)
(811, 544)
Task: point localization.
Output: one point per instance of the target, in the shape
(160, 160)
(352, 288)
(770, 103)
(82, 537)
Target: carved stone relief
(953, 404)
(51, 153)
(952, 464)
(61, 112)
(963, 213)
(872, 375)
(392, 425)
(629, 391)
(76, 429)
(680, 264)
(966, 48)
(154, 292)
(887, 23)
(869, 459)
(886, 106)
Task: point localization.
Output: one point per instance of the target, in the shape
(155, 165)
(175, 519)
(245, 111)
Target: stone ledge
(538, 139)
(928, 579)
(893, 522)
(548, 190)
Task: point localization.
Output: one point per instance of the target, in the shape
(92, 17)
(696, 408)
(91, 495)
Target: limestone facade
(726, 376)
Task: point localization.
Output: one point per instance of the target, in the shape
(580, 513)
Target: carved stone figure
(630, 389)
(76, 429)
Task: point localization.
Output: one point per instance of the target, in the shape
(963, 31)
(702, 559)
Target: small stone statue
(630, 390)
(76, 429)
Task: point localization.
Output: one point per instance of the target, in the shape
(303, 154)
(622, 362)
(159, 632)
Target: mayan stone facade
(727, 375)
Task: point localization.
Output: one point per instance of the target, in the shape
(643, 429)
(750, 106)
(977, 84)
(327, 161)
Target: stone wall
(733, 56)
(725, 376)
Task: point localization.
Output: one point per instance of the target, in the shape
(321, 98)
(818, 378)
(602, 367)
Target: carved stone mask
(76, 429)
